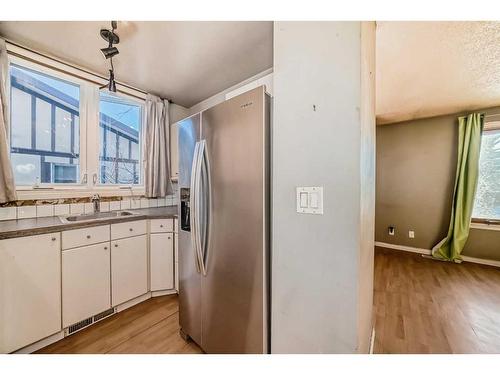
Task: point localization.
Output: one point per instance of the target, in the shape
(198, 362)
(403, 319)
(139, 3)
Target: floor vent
(103, 314)
(78, 326)
(89, 321)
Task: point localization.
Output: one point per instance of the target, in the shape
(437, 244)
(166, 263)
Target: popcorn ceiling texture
(426, 69)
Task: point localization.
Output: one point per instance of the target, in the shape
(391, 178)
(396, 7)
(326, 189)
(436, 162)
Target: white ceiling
(431, 68)
(183, 61)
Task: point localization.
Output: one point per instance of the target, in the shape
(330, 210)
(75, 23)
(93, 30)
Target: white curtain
(157, 145)
(7, 185)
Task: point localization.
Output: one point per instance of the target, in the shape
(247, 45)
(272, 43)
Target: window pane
(120, 134)
(487, 201)
(44, 128)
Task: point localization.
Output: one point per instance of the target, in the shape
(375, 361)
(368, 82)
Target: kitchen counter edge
(53, 224)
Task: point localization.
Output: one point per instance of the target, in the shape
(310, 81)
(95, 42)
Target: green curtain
(470, 129)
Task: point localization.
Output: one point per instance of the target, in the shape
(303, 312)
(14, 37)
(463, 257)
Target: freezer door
(235, 281)
(189, 273)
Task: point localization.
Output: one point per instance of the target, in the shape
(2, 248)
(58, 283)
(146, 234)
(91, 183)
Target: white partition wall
(324, 136)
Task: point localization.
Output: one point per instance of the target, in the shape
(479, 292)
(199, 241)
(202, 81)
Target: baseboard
(486, 262)
(41, 344)
(403, 248)
(159, 293)
(61, 334)
(372, 341)
(133, 302)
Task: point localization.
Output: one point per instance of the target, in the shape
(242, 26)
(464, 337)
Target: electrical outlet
(391, 231)
(411, 234)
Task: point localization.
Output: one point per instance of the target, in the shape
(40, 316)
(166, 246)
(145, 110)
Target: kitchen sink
(95, 216)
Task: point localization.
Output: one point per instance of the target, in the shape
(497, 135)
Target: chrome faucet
(96, 201)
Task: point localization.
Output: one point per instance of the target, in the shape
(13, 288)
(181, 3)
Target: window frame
(140, 103)
(481, 222)
(89, 130)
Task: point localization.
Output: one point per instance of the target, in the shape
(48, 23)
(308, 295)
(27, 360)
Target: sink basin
(95, 216)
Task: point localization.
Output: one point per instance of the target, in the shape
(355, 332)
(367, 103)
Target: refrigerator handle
(208, 204)
(193, 205)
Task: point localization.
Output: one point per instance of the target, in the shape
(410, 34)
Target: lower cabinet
(176, 252)
(30, 290)
(162, 261)
(85, 282)
(51, 281)
(129, 268)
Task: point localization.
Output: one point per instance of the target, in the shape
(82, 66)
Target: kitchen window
(45, 113)
(68, 137)
(487, 200)
(120, 124)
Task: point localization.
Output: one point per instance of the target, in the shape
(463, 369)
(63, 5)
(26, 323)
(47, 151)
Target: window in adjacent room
(44, 132)
(487, 201)
(120, 123)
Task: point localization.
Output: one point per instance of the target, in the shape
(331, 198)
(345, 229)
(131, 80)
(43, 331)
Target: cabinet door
(162, 261)
(30, 290)
(129, 268)
(174, 151)
(176, 252)
(85, 282)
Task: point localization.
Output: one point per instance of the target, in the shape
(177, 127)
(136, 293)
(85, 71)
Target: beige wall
(416, 163)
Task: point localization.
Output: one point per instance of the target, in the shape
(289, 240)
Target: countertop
(41, 225)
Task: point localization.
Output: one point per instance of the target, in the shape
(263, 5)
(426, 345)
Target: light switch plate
(310, 200)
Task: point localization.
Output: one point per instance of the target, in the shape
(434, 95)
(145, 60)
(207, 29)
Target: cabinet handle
(88, 236)
(53, 238)
(116, 245)
(169, 237)
(161, 225)
(130, 229)
(105, 248)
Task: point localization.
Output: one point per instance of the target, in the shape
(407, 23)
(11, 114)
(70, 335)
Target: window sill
(485, 224)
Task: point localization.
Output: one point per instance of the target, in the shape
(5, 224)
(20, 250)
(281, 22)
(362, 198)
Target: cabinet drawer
(128, 229)
(84, 236)
(162, 225)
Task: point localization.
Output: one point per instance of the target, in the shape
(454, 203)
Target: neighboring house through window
(56, 130)
(487, 200)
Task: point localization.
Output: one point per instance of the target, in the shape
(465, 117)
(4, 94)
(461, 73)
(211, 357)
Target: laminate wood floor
(149, 327)
(427, 306)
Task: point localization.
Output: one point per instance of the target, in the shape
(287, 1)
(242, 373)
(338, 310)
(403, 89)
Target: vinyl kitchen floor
(427, 306)
(147, 328)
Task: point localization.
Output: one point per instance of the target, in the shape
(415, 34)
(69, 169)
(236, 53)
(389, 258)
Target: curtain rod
(74, 67)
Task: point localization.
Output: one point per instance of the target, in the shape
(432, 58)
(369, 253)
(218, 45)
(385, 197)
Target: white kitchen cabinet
(174, 151)
(128, 229)
(162, 261)
(84, 236)
(85, 282)
(161, 225)
(129, 268)
(176, 254)
(30, 293)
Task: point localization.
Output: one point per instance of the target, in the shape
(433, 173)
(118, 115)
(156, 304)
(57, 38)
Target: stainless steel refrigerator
(224, 177)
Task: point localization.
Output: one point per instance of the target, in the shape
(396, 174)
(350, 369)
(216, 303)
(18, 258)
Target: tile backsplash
(57, 207)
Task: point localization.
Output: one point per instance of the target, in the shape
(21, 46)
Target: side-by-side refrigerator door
(233, 237)
(189, 269)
